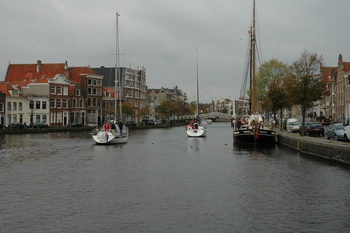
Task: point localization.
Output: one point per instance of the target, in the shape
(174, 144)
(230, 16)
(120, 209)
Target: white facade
(37, 107)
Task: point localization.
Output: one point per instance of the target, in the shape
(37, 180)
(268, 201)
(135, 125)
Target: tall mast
(253, 64)
(197, 107)
(117, 81)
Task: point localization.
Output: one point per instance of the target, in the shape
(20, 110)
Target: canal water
(163, 181)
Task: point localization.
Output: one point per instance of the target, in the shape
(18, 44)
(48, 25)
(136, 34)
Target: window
(94, 91)
(53, 90)
(9, 106)
(65, 90)
(19, 106)
(15, 93)
(89, 102)
(59, 90)
(94, 82)
(77, 92)
(37, 118)
(89, 82)
(14, 106)
(74, 103)
(14, 118)
(44, 118)
(21, 118)
(37, 104)
(59, 103)
(43, 105)
(31, 104)
(89, 91)
(65, 103)
(52, 103)
(1, 107)
(81, 103)
(53, 119)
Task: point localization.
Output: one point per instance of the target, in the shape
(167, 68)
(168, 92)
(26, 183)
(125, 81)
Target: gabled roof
(346, 66)
(76, 72)
(111, 90)
(23, 74)
(326, 73)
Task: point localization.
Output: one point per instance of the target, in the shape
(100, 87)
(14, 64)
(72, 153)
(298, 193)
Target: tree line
(280, 86)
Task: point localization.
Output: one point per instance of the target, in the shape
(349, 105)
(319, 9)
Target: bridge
(214, 116)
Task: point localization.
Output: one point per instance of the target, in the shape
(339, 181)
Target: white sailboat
(196, 129)
(114, 133)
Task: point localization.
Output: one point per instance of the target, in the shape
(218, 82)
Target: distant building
(156, 96)
(337, 95)
(133, 86)
(224, 105)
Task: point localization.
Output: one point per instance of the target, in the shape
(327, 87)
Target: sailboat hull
(247, 136)
(107, 138)
(200, 132)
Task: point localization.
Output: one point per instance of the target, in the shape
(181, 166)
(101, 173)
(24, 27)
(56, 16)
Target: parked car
(314, 128)
(340, 120)
(326, 121)
(293, 127)
(347, 132)
(336, 131)
(40, 125)
(76, 124)
(130, 123)
(17, 126)
(148, 122)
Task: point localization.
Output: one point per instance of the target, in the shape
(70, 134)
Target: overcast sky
(163, 35)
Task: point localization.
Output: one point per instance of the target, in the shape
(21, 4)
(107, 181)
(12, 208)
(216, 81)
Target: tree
(165, 109)
(277, 97)
(268, 73)
(128, 109)
(306, 86)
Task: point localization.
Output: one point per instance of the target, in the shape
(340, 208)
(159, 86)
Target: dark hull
(247, 136)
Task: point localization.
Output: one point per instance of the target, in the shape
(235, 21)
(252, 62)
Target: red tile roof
(111, 90)
(4, 88)
(326, 72)
(346, 66)
(75, 72)
(23, 74)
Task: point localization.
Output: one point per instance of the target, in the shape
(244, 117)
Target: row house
(86, 95)
(60, 95)
(52, 93)
(336, 102)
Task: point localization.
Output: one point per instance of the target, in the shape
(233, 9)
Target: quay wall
(317, 146)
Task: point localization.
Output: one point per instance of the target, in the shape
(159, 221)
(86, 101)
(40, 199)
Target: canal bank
(316, 146)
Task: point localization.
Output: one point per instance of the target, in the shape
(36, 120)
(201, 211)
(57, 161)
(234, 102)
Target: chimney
(38, 66)
(65, 65)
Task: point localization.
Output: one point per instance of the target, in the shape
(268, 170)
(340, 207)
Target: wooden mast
(253, 64)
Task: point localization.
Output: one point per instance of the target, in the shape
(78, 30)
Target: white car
(293, 126)
(347, 133)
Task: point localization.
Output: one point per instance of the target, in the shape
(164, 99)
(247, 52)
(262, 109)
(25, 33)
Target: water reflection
(163, 181)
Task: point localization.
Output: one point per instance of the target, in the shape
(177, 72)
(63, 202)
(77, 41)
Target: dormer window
(14, 93)
(107, 94)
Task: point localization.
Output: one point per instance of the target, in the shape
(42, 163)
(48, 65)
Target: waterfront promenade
(317, 146)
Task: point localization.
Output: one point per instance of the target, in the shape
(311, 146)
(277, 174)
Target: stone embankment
(317, 146)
